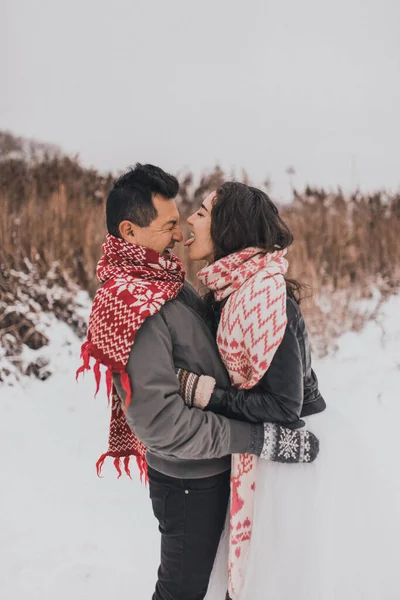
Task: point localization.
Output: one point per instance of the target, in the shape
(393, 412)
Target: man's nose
(178, 235)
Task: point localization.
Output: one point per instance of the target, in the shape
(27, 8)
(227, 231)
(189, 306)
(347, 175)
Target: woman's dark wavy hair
(244, 216)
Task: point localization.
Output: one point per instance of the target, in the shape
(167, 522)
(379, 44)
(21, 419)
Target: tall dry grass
(52, 210)
(341, 241)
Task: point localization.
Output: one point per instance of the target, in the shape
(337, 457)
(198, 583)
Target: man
(146, 323)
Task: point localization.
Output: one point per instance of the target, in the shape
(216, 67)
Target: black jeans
(191, 515)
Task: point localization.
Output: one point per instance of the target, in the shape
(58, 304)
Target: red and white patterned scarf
(137, 282)
(252, 325)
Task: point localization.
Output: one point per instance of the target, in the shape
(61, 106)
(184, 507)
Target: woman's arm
(277, 398)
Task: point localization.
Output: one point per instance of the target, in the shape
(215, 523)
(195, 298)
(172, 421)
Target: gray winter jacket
(181, 442)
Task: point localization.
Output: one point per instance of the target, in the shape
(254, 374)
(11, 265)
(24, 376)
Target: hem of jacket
(313, 407)
(188, 469)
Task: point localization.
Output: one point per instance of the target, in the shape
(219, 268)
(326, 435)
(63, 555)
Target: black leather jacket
(288, 390)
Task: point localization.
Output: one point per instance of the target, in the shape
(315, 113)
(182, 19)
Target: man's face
(162, 233)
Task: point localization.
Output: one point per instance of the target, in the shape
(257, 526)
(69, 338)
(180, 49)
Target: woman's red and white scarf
(136, 283)
(252, 325)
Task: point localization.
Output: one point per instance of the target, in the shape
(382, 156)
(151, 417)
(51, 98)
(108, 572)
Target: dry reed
(52, 210)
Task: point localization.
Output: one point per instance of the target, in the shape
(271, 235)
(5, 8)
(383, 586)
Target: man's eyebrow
(171, 222)
(203, 207)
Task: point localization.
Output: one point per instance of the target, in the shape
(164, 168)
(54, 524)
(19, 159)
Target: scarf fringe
(140, 460)
(85, 356)
(97, 376)
(85, 366)
(143, 466)
(126, 385)
(126, 466)
(109, 384)
(125, 382)
(100, 463)
(117, 465)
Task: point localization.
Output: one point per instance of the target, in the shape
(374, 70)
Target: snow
(66, 533)
(362, 377)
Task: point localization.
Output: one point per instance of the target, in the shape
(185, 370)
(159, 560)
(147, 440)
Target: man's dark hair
(131, 197)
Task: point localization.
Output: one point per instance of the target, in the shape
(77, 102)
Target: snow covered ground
(64, 533)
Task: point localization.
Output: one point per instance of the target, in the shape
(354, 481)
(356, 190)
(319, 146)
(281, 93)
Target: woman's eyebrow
(203, 207)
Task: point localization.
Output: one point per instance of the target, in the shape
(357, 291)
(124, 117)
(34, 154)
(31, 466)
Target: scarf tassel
(117, 465)
(126, 385)
(85, 356)
(109, 385)
(97, 376)
(141, 463)
(100, 463)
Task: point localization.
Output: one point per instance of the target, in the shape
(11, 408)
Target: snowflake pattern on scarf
(136, 283)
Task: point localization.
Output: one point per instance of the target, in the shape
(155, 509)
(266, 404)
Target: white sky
(259, 84)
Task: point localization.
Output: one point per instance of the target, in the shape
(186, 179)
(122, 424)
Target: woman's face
(199, 244)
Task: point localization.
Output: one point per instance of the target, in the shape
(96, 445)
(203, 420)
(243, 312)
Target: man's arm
(158, 415)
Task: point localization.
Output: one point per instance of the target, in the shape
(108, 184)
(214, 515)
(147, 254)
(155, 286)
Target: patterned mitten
(196, 390)
(285, 445)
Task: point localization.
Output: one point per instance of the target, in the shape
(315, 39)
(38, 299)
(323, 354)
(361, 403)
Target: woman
(311, 532)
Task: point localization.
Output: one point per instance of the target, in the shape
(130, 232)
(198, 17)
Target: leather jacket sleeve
(277, 398)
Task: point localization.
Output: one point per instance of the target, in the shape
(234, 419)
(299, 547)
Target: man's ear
(127, 231)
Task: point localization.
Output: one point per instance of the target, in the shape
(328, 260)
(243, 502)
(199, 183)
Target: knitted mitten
(285, 445)
(196, 390)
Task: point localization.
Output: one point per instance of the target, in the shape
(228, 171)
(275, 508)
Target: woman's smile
(199, 243)
(190, 241)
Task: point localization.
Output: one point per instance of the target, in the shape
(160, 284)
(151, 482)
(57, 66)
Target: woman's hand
(196, 390)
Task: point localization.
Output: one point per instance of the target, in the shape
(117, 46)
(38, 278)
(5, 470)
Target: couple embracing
(214, 396)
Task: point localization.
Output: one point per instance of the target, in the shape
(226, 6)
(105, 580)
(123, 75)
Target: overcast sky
(259, 84)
